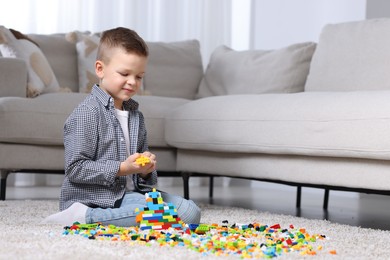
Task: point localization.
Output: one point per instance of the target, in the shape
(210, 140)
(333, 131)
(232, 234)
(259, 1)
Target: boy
(104, 136)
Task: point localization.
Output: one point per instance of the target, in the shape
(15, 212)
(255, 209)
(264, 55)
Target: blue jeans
(124, 216)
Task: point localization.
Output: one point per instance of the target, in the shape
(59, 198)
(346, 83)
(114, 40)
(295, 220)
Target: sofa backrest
(352, 56)
(174, 69)
(62, 57)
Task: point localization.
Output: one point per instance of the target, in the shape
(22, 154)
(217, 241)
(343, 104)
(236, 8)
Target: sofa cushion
(352, 56)
(62, 57)
(41, 78)
(257, 71)
(41, 120)
(340, 124)
(36, 121)
(174, 69)
(155, 109)
(13, 78)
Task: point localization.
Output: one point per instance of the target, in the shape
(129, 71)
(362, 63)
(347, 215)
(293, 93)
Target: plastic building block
(202, 229)
(142, 160)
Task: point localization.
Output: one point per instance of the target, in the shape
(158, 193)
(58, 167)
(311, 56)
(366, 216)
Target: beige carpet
(22, 236)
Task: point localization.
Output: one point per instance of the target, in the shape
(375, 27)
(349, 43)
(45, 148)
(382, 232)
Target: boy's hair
(124, 38)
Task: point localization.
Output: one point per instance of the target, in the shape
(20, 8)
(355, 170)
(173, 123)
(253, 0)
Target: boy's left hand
(131, 166)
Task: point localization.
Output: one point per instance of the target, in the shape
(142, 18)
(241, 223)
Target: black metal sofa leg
(3, 183)
(186, 179)
(326, 199)
(299, 195)
(211, 187)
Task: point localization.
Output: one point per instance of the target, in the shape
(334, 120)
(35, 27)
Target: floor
(356, 209)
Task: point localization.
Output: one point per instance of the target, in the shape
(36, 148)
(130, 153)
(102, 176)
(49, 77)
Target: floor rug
(23, 236)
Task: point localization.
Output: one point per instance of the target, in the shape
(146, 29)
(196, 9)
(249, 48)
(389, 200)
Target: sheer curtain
(213, 23)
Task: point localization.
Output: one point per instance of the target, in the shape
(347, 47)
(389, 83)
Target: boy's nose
(131, 81)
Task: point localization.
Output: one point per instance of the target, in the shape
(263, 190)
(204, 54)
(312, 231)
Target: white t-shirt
(123, 117)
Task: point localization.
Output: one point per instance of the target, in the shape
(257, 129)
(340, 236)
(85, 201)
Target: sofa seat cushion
(37, 120)
(155, 109)
(342, 124)
(41, 120)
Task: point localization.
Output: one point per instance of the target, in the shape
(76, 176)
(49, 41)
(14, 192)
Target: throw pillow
(257, 71)
(86, 46)
(18, 35)
(86, 55)
(41, 78)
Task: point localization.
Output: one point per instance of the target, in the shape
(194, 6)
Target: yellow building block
(142, 160)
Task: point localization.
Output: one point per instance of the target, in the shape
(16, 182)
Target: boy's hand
(137, 163)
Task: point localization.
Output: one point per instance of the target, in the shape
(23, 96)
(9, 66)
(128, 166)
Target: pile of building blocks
(157, 215)
(160, 225)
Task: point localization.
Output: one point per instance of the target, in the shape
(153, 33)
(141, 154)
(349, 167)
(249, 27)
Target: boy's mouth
(129, 90)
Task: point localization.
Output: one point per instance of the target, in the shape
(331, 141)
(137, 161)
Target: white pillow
(86, 56)
(257, 71)
(41, 78)
(86, 46)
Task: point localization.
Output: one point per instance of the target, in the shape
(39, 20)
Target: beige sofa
(310, 114)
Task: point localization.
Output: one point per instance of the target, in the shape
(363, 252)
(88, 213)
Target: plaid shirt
(95, 147)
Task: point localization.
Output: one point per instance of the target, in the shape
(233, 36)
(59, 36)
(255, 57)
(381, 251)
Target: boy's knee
(192, 213)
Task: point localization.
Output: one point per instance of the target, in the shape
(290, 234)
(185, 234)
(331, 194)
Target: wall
(279, 23)
(377, 9)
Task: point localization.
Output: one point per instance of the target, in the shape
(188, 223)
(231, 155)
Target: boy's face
(121, 76)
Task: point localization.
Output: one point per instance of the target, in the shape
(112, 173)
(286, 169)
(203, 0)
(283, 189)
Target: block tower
(156, 215)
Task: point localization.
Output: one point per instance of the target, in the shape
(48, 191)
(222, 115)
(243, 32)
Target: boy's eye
(123, 74)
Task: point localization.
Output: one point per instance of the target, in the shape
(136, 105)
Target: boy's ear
(99, 69)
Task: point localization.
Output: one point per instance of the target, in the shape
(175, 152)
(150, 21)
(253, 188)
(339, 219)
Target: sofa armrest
(13, 77)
